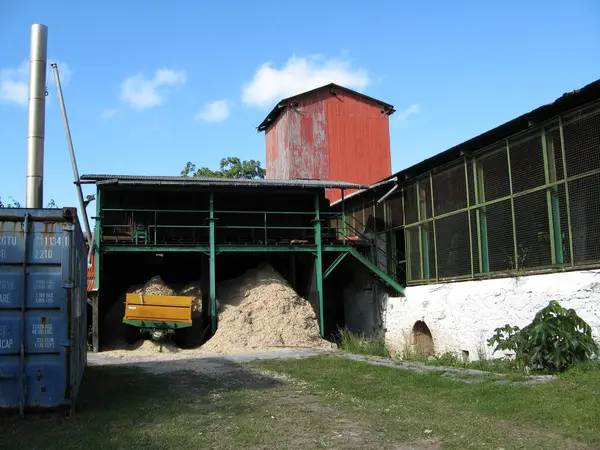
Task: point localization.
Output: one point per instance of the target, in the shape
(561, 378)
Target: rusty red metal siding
(297, 142)
(327, 137)
(358, 136)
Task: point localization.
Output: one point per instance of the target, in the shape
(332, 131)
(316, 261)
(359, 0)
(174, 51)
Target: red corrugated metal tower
(329, 133)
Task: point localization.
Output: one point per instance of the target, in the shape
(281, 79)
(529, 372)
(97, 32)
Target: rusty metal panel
(43, 308)
(277, 164)
(307, 131)
(358, 138)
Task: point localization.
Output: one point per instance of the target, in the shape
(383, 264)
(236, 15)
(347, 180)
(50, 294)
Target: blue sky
(150, 85)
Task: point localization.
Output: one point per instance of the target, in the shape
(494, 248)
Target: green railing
(191, 227)
(373, 241)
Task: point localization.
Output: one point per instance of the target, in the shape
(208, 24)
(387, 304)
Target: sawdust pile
(195, 291)
(261, 311)
(114, 328)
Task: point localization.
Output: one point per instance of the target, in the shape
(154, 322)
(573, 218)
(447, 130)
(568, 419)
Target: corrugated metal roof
(222, 182)
(567, 102)
(284, 103)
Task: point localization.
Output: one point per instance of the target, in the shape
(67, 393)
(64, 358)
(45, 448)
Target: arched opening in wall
(422, 339)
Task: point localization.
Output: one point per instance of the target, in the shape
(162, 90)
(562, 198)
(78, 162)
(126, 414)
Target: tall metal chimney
(37, 116)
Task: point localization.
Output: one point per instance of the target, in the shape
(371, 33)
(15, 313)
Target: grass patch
(562, 414)
(360, 344)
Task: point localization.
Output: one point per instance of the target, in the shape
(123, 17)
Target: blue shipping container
(43, 308)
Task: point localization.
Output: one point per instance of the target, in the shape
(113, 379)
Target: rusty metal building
(329, 133)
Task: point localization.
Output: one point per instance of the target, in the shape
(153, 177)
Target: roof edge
(282, 104)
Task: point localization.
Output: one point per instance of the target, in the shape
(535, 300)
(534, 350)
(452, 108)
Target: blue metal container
(43, 308)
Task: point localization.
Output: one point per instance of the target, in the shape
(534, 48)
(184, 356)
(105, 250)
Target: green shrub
(556, 340)
(358, 343)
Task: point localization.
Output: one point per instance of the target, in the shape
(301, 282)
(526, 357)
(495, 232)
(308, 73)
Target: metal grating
(449, 188)
(527, 162)
(533, 203)
(584, 203)
(533, 236)
(582, 142)
(454, 254)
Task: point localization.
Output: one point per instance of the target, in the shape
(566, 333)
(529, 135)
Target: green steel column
(212, 268)
(319, 263)
(568, 201)
(466, 166)
(97, 262)
(344, 218)
(512, 208)
(555, 233)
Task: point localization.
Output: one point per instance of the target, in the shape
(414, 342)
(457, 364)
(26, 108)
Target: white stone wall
(463, 315)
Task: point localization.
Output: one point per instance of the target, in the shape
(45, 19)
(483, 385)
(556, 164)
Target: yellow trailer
(158, 315)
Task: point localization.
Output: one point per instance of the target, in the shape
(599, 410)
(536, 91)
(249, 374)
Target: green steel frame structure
(323, 239)
(526, 202)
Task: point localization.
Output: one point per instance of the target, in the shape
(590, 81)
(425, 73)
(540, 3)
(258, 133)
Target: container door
(35, 264)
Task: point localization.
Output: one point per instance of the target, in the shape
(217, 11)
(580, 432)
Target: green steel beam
(512, 208)
(319, 263)
(97, 264)
(466, 168)
(266, 249)
(435, 251)
(212, 266)
(567, 197)
(334, 264)
(552, 200)
(344, 231)
(377, 271)
(97, 238)
(154, 249)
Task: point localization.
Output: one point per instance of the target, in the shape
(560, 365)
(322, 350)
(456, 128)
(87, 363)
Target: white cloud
(108, 113)
(14, 81)
(144, 93)
(216, 111)
(300, 74)
(410, 111)
(14, 84)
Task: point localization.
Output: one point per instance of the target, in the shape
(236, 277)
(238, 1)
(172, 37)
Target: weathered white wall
(463, 315)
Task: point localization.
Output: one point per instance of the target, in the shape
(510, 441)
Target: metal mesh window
(410, 203)
(533, 236)
(584, 202)
(493, 237)
(582, 142)
(379, 217)
(414, 254)
(488, 177)
(453, 250)
(425, 205)
(394, 205)
(554, 150)
(450, 190)
(527, 162)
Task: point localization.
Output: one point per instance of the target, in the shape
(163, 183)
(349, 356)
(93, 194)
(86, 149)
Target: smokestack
(37, 116)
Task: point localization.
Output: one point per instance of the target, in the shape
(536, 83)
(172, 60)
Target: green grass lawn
(322, 402)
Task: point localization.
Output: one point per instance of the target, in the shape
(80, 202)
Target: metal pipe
(63, 110)
(36, 116)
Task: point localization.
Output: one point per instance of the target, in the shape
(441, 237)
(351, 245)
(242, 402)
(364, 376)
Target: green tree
(12, 203)
(230, 167)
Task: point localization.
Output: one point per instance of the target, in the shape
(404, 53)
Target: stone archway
(422, 339)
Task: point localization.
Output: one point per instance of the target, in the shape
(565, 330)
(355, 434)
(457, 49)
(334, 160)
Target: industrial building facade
(329, 133)
(523, 198)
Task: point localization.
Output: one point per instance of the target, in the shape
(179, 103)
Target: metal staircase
(369, 243)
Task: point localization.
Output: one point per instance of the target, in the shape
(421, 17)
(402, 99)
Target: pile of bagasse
(257, 311)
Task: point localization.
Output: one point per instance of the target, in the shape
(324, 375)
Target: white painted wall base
(463, 315)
